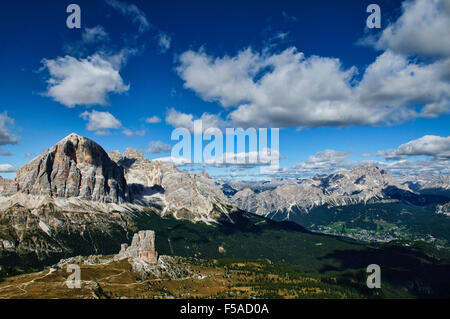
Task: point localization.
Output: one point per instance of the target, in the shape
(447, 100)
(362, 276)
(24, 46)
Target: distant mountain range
(365, 203)
(361, 185)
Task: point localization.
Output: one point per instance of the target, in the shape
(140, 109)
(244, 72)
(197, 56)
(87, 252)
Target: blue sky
(342, 95)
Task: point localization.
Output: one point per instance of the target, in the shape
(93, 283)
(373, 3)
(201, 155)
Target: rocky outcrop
(443, 209)
(142, 247)
(74, 167)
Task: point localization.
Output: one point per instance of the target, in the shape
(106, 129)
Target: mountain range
(75, 198)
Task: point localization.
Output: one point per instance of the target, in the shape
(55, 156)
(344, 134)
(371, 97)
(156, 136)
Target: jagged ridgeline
(75, 199)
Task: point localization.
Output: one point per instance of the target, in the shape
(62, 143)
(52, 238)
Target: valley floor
(212, 279)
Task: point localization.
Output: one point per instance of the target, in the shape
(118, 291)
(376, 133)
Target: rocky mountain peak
(134, 153)
(74, 167)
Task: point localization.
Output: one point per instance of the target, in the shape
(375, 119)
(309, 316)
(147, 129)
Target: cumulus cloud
(289, 89)
(158, 147)
(7, 168)
(137, 15)
(421, 30)
(152, 120)
(164, 41)
(428, 145)
(86, 81)
(100, 122)
(6, 137)
(227, 80)
(184, 120)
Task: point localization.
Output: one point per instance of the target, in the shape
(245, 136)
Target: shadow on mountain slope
(422, 271)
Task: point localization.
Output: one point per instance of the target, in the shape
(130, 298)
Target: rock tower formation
(142, 247)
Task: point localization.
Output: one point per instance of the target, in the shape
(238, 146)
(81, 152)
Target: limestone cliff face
(74, 167)
(194, 197)
(76, 174)
(142, 247)
(7, 187)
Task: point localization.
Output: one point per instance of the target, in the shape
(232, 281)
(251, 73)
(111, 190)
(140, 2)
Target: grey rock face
(74, 167)
(78, 169)
(8, 187)
(426, 181)
(142, 247)
(195, 197)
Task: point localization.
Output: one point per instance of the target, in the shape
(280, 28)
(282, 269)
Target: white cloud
(100, 122)
(137, 15)
(164, 41)
(94, 35)
(184, 120)
(280, 89)
(128, 133)
(140, 132)
(7, 168)
(152, 120)
(327, 156)
(396, 87)
(227, 80)
(131, 133)
(428, 145)
(287, 89)
(178, 161)
(422, 30)
(6, 137)
(6, 153)
(324, 162)
(245, 160)
(398, 167)
(407, 167)
(158, 147)
(331, 161)
(84, 81)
